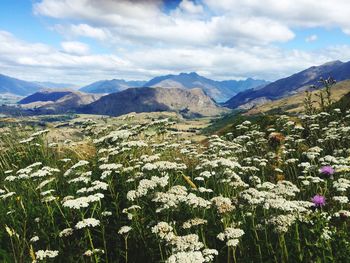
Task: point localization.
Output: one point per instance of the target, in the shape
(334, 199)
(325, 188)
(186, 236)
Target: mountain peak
(191, 74)
(331, 63)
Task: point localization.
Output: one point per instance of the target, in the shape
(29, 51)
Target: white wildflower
(87, 222)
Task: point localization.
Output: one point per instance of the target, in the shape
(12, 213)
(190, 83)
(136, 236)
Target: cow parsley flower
(124, 230)
(232, 236)
(34, 239)
(87, 222)
(66, 232)
(341, 199)
(223, 204)
(43, 254)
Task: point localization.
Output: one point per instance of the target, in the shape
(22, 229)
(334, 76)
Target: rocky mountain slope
(294, 103)
(290, 85)
(57, 101)
(44, 96)
(190, 103)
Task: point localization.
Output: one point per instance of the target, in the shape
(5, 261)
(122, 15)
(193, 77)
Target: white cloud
(311, 38)
(220, 39)
(226, 62)
(75, 48)
(305, 13)
(256, 30)
(144, 22)
(190, 7)
(81, 30)
(102, 12)
(36, 61)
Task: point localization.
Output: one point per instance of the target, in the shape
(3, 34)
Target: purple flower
(327, 170)
(319, 200)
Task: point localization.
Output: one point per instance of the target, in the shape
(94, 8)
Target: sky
(81, 41)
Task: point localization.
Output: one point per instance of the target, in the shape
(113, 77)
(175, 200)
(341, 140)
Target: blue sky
(80, 41)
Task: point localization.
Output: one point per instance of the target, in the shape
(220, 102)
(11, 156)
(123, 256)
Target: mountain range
(218, 90)
(9, 85)
(186, 93)
(291, 85)
(17, 87)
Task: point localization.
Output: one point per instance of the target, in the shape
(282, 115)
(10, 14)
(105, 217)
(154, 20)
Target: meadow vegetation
(270, 189)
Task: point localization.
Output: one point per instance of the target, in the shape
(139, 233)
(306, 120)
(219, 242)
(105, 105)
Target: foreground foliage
(272, 194)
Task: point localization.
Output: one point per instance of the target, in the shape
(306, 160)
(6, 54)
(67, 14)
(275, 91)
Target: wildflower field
(143, 193)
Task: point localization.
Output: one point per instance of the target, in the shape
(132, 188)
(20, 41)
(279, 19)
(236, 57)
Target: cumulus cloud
(144, 22)
(219, 39)
(36, 61)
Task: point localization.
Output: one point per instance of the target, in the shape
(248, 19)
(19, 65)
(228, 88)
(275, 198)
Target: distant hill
(9, 85)
(190, 103)
(111, 86)
(57, 101)
(16, 86)
(290, 85)
(44, 96)
(218, 90)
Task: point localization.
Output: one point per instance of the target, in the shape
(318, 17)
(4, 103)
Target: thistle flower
(318, 200)
(327, 170)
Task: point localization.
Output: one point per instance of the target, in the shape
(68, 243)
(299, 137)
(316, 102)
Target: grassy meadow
(143, 188)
